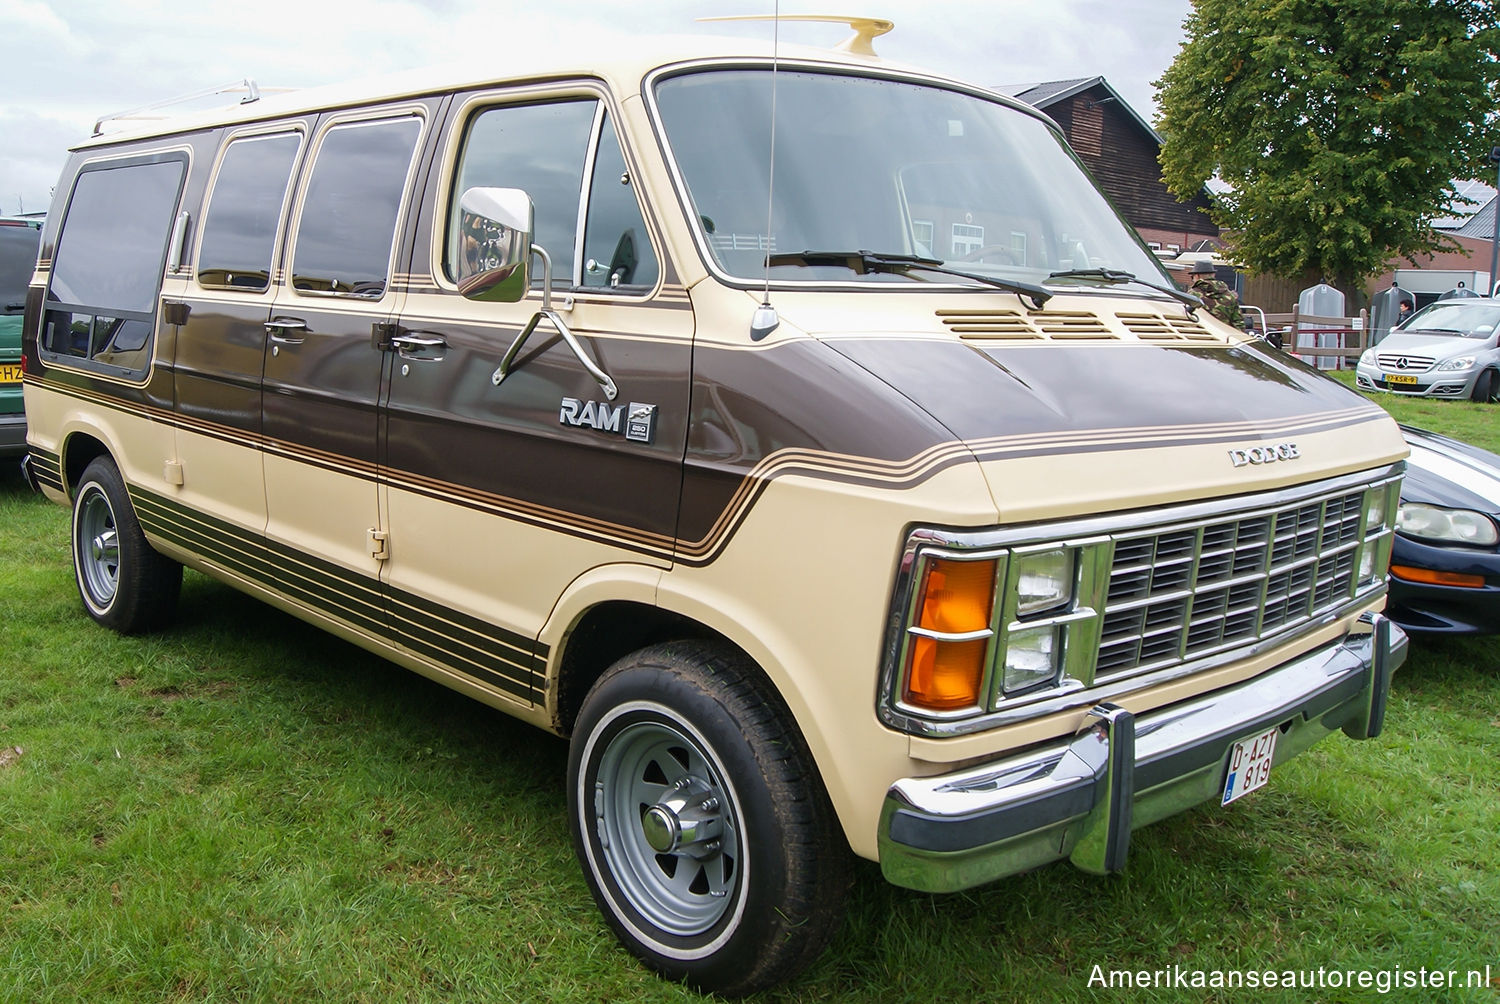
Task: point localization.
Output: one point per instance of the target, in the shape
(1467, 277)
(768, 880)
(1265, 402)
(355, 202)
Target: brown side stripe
(844, 468)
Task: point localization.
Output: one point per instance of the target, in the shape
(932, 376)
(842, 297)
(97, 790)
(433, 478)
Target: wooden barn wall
(1274, 295)
(1122, 157)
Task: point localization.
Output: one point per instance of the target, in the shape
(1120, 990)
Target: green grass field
(245, 809)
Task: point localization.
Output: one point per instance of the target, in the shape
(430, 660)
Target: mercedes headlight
(1446, 526)
(1460, 363)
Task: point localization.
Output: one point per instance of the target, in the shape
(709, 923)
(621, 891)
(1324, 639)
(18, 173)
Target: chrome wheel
(666, 824)
(704, 833)
(125, 583)
(96, 544)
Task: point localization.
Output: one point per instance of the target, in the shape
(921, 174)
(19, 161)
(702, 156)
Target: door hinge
(175, 312)
(381, 333)
(380, 544)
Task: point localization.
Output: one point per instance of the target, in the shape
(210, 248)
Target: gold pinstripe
(872, 471)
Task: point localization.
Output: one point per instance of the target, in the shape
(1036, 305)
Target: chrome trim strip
(1178, 517)
(922, 632)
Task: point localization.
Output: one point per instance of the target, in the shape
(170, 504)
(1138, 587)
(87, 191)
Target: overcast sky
(67, 62)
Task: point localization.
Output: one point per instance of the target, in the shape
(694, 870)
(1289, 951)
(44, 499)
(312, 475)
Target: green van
(18, 245)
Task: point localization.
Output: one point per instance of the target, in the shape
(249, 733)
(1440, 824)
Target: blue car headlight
(1438, 525)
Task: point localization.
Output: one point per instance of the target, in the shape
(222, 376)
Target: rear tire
(125, 584)
(704, 832)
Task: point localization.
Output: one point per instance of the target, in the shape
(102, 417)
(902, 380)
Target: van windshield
(889, 167)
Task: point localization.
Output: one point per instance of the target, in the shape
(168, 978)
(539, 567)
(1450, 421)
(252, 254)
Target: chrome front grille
(1405, 363)
(1189, 591)
(1155, 595)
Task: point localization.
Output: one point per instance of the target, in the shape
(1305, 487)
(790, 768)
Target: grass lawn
(245, 809)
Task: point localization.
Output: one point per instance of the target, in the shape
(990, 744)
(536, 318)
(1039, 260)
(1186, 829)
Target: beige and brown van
(892, 502)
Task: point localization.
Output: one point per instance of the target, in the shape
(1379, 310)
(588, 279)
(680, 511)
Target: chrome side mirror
(494, 252)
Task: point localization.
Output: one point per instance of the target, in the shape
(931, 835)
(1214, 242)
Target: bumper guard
(1080, 799)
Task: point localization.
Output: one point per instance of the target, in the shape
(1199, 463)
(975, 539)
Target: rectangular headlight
(1031, 657)
(1044, 579)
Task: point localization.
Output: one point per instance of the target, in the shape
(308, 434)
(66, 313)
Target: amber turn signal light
(946, 660)
(1433, 577)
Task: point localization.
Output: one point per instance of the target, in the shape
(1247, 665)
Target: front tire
(703, 829)
(125, 584)
(1484, 387)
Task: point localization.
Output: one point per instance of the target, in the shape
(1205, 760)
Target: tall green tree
(1338, 125)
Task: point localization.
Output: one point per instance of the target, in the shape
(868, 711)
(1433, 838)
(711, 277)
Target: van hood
(1107, 421)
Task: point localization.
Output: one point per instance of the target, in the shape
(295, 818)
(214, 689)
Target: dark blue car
(1445, 565)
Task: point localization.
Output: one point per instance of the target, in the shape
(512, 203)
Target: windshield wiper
(867, 262)
(1118, 275)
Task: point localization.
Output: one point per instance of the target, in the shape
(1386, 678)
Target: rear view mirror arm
(555, 319)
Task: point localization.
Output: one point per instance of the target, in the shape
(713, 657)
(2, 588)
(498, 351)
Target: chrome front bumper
(1080, 799)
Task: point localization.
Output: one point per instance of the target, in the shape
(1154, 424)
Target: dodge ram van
(892, 502)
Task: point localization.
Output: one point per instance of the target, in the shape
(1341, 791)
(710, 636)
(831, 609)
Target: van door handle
(423, 345)
(277, 325)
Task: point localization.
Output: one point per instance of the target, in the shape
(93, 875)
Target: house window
(967, 239)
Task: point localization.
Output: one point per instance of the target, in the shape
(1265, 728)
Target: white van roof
(622, 67)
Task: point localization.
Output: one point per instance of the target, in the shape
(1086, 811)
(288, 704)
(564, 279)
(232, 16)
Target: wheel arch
(79, 449)
(651, 605)
(607, 632)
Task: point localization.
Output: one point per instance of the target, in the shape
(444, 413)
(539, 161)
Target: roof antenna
(765, 319)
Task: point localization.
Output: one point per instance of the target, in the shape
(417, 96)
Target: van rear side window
(353, 201)
(239, 230)
(107, 270)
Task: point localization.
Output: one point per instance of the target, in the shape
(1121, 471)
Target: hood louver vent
(1156, 328)
(1073, 325)
(988, 323)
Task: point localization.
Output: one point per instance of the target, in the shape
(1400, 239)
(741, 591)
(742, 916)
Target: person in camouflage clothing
(1216, 296)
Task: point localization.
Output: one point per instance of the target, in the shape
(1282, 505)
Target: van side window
(351, 208)
(107, 269)
(541, 149)
(616, 250)
(239, 229)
